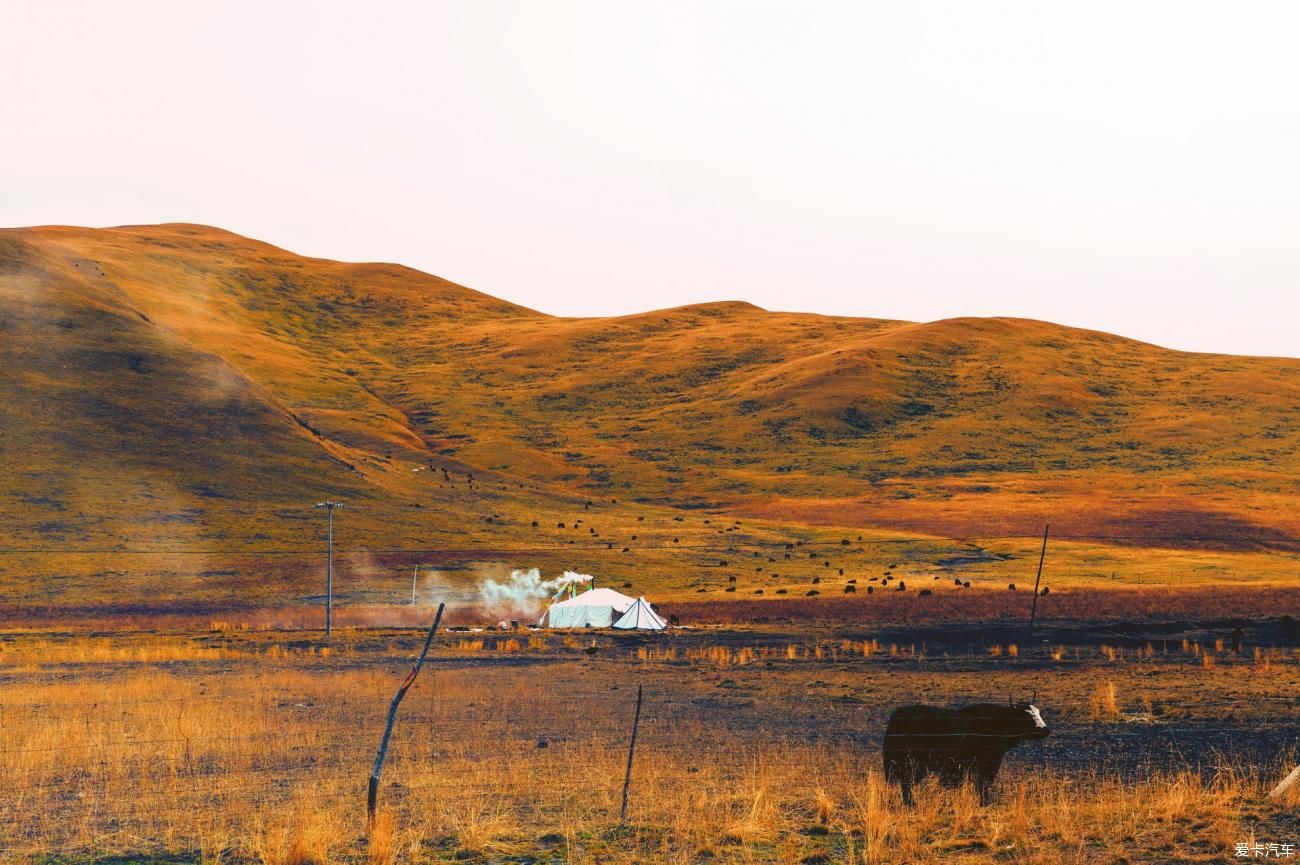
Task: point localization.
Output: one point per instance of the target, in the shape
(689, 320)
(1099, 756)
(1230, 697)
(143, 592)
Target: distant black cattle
(956, 744)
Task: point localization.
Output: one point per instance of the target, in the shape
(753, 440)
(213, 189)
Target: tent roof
(601, 597)
(641, 617)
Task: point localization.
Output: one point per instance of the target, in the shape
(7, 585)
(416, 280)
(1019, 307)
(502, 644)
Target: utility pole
(414, 577)
(329, 507)
(1033, 611)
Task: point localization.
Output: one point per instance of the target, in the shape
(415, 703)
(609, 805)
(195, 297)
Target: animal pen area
(754, 744)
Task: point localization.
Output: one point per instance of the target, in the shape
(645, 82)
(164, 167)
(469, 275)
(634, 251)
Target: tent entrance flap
(641, 617)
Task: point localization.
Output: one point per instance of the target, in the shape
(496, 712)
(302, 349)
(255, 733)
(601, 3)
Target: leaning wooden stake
(373, 793)
(1287, 783)
(631, 749)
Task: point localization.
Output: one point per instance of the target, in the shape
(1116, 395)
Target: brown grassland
(757, 744)
(833, 509)
(176, 397)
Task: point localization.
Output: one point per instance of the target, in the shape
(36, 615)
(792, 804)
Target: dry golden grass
(381, 844)
(1103, 704)
(252, 750)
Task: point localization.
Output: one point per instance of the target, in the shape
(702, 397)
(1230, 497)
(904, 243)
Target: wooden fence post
(372, 794)
(631, 749)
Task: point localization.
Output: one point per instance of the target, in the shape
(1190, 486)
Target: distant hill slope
(172, 382)
(874, 422)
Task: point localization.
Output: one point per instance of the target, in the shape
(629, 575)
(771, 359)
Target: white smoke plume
(525, 591)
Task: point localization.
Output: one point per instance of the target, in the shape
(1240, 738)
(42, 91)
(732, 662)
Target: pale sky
(1128, 166)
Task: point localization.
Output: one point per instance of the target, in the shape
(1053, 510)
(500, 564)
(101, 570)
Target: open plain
(758, 743)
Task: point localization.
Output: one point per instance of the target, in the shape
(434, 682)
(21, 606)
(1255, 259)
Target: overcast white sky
(1130, 166)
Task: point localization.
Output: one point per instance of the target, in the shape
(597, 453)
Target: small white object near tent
(641, 618)
(597, 608)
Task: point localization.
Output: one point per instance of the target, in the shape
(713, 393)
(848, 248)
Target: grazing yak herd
(956, 744)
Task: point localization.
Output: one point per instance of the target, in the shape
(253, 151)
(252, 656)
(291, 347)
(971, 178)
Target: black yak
(956, 744)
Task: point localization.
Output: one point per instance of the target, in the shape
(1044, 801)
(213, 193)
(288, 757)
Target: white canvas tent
(598, 608)
(640, 617)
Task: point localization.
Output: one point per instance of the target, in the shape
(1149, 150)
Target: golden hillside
(179, 387)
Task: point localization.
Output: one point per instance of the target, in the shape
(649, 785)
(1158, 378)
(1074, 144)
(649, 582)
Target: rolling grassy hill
(184, 391)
